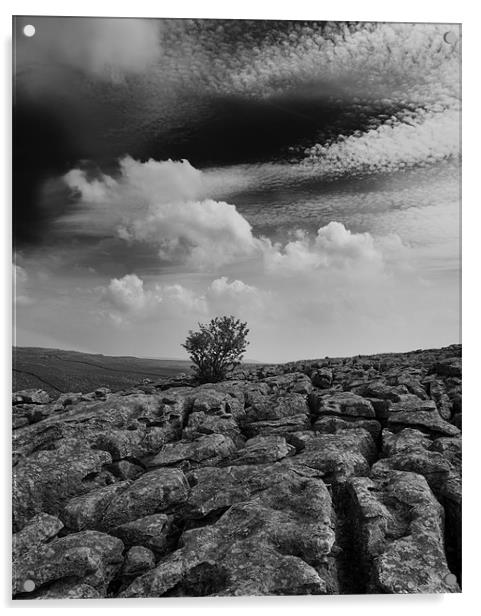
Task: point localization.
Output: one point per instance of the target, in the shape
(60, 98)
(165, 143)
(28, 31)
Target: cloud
(420, 139)
(100, 47)
(162, 204)
(333, 248)
(127, 299)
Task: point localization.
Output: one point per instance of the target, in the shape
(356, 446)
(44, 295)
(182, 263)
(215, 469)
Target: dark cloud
(214, 92)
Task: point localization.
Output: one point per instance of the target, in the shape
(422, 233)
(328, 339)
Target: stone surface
(277, 426)
(344, 404)
(138, 559)
(87, 511)
(208, 449)
(399, 527)
(153, 492)
(92, 558)
(278, 542)
(30, 396)
(38, 530)
(151, 531)
(335, 475)
(262, 450)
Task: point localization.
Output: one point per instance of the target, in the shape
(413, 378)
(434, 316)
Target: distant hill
(58, 371)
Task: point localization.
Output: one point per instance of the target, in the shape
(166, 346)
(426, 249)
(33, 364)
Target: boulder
(277, 426)
(214, 402)
(332, 424)
(151, 531)
(209, 449)
(295, 382)
(138, 560)
(261, 450)
(40, 529)
(88, 557)
(278, 541)
(322, 378)
(263, 408)
(86, 511)
(153, 492)
(46, 480)
(338, 456)
(64, 589)
(30, 396)
(343, 404)
(451, 366)
(201, 423)
(399, 532)
(423, 416)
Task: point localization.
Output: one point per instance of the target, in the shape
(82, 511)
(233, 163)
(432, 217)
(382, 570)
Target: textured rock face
(400, 530)
(316, 477)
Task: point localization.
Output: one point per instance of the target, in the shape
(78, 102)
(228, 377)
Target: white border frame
(459, 11)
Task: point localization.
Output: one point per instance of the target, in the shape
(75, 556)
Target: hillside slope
(58, 371)
(333, 476)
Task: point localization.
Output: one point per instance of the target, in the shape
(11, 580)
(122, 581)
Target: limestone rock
(341, 403)
(208, 449)
(271, 407)
(338, 456)
(322, 378)
(150, 531)
(68, 590)
(451, 366)
(153, 492)
(277, 426)
(201, 423)
(46, 480)
(86, 511)
(261, 450)
(92, 558)
(138, 559)
(38, 530)
(400, 534)
(279, 542)
(30, 396)
(332, 424)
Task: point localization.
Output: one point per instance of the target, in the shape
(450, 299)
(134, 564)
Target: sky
(302, 176)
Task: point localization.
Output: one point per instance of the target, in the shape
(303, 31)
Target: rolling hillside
(58, 371)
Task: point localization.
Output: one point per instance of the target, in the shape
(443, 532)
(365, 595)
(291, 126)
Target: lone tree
(217, 347)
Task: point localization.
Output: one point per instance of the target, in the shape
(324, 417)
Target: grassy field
(59, 371)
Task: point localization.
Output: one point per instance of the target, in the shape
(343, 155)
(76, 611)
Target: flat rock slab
(343, 403)
(277, 426)
(278, 541)
(399, 526)
(153, 492)
(209, 449)
(150, 531)
(338, 456)
(92, 558)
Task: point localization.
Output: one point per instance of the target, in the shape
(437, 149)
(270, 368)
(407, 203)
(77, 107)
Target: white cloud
(127, 299)
(422, 139)
(334, 248)
(101, 47)
(237, 298)
(163, 204)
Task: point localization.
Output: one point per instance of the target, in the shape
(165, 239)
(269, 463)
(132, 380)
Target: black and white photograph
(236, 308)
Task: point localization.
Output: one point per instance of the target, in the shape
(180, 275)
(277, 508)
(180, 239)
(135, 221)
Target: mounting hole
(29, 586)
(450, 579)
(29, 30)
(450, 37)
